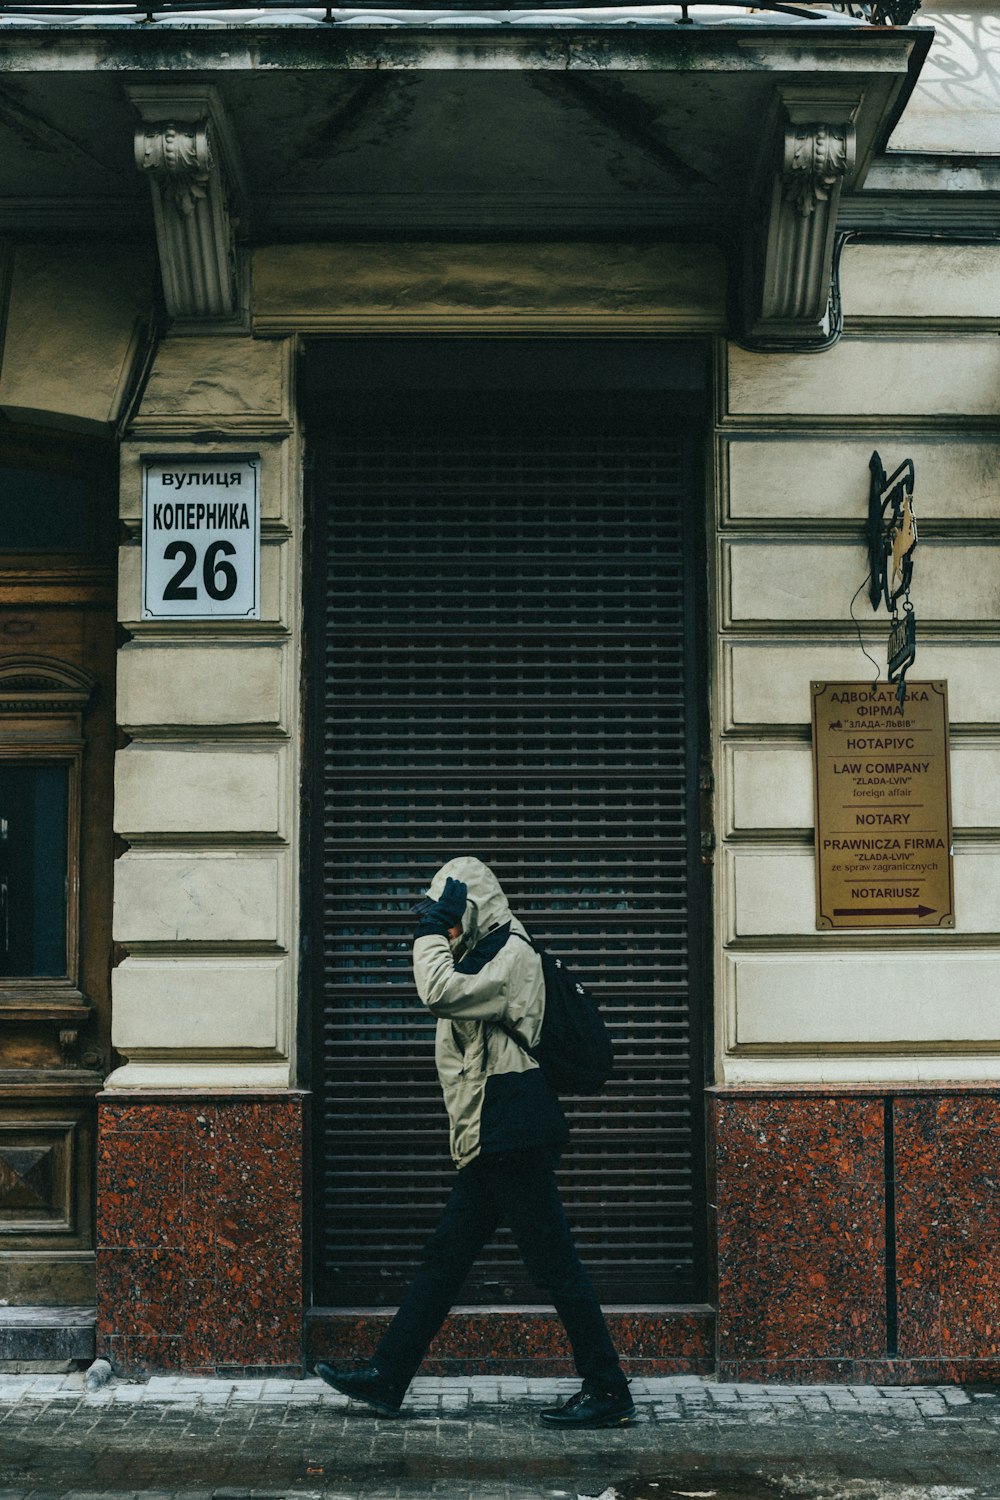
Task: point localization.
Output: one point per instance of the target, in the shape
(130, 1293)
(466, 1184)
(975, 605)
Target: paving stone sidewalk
(176, 1438)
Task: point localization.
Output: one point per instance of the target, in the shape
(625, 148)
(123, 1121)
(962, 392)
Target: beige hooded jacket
(496, 1096)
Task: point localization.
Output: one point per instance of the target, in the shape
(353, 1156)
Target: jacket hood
(486, 907)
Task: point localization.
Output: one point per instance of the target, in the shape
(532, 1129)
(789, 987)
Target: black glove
(450, 905)
(446, 912)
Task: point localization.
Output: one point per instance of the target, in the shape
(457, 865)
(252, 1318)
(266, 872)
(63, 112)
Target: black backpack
(574, 1049)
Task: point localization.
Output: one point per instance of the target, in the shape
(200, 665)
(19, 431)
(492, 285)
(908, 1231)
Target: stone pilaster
(199, 1261)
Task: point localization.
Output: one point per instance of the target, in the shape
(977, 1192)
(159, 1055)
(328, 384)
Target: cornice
(740, 46)
(41, 684)
(297, 217)
(949, 214)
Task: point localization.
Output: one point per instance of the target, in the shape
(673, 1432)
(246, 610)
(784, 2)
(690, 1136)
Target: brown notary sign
(883, 806)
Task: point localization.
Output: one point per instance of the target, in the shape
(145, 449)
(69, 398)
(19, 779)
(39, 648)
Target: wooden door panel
(57, 659)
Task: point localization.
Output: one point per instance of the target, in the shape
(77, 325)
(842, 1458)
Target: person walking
(475, 968)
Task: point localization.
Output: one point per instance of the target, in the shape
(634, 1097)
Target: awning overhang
(741, 131)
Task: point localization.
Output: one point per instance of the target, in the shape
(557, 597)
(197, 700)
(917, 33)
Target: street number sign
(883, 806)
(201, 538)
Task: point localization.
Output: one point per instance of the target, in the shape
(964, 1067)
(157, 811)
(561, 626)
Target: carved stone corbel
(792, 218)
(817, 158)
(185, 147)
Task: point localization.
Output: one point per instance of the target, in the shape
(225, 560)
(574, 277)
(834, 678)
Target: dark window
(34, 816)
(50, 512)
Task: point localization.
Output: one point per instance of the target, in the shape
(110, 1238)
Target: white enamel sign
(201, 539)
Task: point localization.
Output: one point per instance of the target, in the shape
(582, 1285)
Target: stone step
(47, 1333)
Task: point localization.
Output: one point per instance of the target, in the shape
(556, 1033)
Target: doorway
(57, 657)
(506, 660)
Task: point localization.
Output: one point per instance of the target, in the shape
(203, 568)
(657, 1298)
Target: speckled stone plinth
(199, 1251)
(800, 1237)
(947, 1153)
(856, 1234)
(523, 1341)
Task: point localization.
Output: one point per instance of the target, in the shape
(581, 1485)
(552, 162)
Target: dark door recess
(506, 661)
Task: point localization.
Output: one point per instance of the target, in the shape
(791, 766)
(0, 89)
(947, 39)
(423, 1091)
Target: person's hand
(444, 915)
(450, 905)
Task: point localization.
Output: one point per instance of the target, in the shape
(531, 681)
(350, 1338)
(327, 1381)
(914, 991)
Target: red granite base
(800, 1239)
(527, 1341)
(846, 1251)
(947, 1152)
(857, 1234)
(860, 1372)
(199, 1252)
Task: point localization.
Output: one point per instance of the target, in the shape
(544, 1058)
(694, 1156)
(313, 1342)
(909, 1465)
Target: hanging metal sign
(201, 538)
(902, 645)
(883, 806)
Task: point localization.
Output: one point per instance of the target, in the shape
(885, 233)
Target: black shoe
(368, 1385)
(592, 1407)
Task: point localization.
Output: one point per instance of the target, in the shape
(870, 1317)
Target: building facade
(437, 432)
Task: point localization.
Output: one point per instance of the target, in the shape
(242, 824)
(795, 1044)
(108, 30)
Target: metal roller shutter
(504, 654)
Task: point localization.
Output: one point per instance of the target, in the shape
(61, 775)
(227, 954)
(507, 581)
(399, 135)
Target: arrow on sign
(884, 911)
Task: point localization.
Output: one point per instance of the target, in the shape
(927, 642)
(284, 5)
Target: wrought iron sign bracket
(892, 541)
(879, 12)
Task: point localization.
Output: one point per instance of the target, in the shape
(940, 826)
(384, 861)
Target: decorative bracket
(186, 147)
(792, 218)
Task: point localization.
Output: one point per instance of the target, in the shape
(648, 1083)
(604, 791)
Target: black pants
(518, 1190)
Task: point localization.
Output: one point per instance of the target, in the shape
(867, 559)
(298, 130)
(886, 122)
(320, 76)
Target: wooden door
(57, 656)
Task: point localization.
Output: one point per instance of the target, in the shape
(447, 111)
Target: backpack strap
(516, 1036)
(505, 1026)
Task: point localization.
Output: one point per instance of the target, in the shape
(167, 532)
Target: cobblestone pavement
(479, 1439)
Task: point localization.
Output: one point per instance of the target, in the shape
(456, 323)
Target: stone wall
(207, 789)
(853, 1127)
(793, 441)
